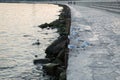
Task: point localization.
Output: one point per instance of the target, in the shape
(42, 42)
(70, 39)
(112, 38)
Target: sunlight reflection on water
(18, 30)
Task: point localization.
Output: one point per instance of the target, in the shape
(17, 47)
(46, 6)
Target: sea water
(18, 31)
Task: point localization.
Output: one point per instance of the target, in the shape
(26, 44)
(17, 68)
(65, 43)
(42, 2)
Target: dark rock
(59, 71)
(61, 55)
(41, 61)
(54, 51)
(62, 76)
(58, 61)
(50, 68)
(26, 35)
(56, 46)
(36, 56)
(43, 25)
(57, 51)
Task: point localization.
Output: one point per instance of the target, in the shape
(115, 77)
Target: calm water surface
(18, 30)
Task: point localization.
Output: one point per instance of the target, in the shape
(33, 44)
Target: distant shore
(55, 63)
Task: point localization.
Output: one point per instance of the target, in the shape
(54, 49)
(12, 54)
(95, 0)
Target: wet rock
(43, 25)
(58, 61)
(50, 68)
(62, 76)
(57, 51)
(56, 46)
(61, 55)
(54, 50)
(59, 71)
(59, 47)
(41, 61)
(36, 56)
(26, 35)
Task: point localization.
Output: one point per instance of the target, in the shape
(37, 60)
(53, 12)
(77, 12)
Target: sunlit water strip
(18, 30)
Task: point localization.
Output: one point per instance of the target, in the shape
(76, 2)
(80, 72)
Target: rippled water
(18, 30)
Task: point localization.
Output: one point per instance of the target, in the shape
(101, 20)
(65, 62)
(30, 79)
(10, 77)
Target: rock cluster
(55, 63)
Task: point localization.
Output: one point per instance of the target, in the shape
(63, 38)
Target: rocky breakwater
(55, 63)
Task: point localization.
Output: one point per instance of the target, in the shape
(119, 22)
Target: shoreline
(56, 60)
